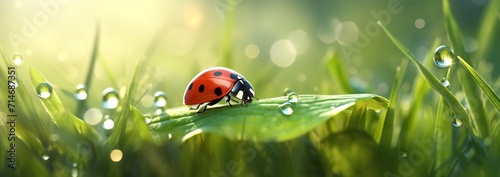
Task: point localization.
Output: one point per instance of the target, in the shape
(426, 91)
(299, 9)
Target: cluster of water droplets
(443, 58)
(292, 99)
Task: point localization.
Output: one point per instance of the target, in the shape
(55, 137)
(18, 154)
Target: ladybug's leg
(228, 100)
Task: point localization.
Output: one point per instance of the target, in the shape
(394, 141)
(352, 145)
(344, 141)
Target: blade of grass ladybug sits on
(211, 85)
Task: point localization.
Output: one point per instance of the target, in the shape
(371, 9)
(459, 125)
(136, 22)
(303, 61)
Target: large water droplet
(456, 121)
(445, 82)
(443, 56)
(18, 58)
(108, 124)
(81, 92)
(286, 108)
(293, 98)
(44, 90)
(110, 98)
(160, 99)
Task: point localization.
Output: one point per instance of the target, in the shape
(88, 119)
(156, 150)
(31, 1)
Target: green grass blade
(261, 120)
(487, 28)
(73, 130)
(115, 139)
(471, 91)
(388, 121)
(338, 72)
(141, 126)
(433, 82)
(453, 31)
(82, 104)
(61, 117)
(490, 93)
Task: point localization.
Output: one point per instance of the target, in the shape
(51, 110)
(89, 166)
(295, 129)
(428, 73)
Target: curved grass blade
(82, 104)
(388, 121)
(140, 125)
(262, 120)
(470, 90)
(492, 96)
(72, 129)
(433, 82)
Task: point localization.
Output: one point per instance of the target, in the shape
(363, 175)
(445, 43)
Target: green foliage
(411, 134)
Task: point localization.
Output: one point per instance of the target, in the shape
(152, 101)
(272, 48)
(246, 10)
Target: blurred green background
(57, 37)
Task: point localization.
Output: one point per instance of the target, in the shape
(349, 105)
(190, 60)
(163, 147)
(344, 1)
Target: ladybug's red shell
(210, 84)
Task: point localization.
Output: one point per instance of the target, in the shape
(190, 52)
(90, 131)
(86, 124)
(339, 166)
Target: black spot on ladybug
(218, 91)
(201, 88)
(217, 73)
(234, 76)
(190, 86)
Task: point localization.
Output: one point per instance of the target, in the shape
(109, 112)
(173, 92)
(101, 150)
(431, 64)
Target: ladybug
(213, 84)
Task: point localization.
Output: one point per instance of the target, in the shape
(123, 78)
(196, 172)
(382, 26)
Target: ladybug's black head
(242, 91)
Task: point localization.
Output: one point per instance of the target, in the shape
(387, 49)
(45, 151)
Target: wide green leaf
(261, 120)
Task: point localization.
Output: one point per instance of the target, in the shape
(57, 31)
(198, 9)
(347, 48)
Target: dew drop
(443, 56)
(160, 99)
(169, 136)
(18, 58)
(286, 108)
(456, 121)
(81, 92)
(287, 91)
(45, 156)
(44, 90)
(293, 98)
(108, 124)
(109, 98)
(147, 118)
(445, 82)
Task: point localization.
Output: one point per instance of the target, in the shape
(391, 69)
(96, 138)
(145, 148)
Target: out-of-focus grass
(326, 135)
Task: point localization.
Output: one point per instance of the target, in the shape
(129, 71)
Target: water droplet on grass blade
(286, 108)
(81, 92)
(456, 121)
(293, 98)
(445, 82)
(18, 58)
(110, 98)
(160, 99)
(44, 90)
(443, 56)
